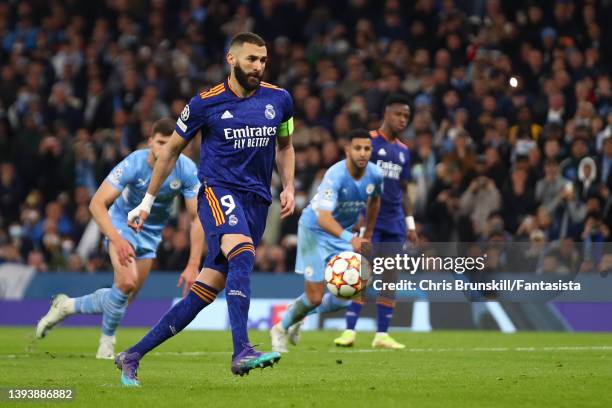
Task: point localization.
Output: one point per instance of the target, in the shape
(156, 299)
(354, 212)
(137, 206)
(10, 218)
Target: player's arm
(163, 167)
(372, 210)
(285, 161)
(407, 204)
(404, 179)
(329, 224)
(196, 237)
(101, 201)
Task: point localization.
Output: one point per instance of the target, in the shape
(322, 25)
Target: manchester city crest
(308, 271)
(269, 112)
(370, 188)
(175, 184)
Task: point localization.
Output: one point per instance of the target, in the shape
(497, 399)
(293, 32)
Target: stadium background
(82, 83)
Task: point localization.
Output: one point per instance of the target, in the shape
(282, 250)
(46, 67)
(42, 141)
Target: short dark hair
(247, 37)
(551, 162)
(164, 126)
(396, 98)
(359, 134)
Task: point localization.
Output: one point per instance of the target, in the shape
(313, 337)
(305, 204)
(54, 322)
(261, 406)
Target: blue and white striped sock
(298, 310)
(115, 303)
(330, 303)
(91, 303)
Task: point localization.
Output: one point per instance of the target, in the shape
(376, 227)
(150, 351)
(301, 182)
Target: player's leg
(329, 303)
(113, 314)
(203, 292)
(385, 305)
(312, 254)
(240, 254)
(305, 304)
(348, 336)
(239, 250)
(115, 301)
(144, 269)
(308, 261)
(93, 303)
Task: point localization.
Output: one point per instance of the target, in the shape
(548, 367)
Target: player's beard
(359, 167)
(245, 80)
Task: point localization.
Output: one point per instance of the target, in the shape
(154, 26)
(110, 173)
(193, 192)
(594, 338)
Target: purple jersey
(238, 135)
(393, 159)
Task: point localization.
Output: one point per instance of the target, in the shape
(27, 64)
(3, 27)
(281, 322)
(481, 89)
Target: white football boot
(294, 332)
(61, 307)
(106, 349)
(279, 338)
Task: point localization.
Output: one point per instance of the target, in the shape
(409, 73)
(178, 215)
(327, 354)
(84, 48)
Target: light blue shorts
(314, 250)
(144, 243)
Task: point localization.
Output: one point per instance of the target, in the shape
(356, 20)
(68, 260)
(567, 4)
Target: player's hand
(125, 252)
(137, 218)
(356, 243)
(187, 278)
(287, 201)
(412, 236)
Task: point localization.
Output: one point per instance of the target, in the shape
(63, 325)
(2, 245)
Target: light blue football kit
(346, 198)
(132, 177)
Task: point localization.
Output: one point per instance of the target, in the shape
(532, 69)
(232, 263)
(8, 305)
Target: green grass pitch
(440, 369)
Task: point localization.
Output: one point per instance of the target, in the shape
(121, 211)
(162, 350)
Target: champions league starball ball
(344, 275)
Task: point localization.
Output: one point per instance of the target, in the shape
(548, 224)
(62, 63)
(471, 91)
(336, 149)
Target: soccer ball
(344, 276)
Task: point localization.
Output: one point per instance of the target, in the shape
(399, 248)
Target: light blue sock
(115, 303)
(92, 303)
(330, 303)
(298, 310)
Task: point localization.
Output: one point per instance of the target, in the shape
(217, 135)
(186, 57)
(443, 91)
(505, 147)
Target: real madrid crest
(269, 112)
(402, 157)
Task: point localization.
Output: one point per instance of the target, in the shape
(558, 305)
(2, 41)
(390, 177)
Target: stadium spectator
(81, 83)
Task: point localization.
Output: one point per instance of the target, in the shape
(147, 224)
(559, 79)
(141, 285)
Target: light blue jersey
(346, 198)
(132, 177)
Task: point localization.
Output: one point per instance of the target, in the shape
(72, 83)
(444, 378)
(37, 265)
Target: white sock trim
(68, 306)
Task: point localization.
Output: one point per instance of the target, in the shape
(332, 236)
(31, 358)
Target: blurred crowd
(510, 135)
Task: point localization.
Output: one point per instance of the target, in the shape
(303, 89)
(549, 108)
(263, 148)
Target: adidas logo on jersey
(227, 115)
(382, 152)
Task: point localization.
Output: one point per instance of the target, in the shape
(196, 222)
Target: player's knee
(243, 253)
(315, 298)
(127, 286)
